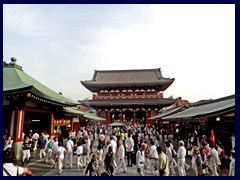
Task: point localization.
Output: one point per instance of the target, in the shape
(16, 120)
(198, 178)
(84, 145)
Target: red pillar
(148, 121)
(19, 127)
(71, 123)
(120, 114)
(134, 117)
(52, 125)
(107, 115)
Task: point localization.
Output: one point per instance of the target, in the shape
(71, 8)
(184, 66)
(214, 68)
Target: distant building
(128, 95)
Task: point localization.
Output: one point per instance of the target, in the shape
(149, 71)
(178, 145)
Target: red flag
(212, 137)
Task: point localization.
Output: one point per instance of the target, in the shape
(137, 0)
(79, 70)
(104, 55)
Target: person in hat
(197, 161)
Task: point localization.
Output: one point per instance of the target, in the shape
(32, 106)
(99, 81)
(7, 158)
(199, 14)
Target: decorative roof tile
(127, 78)
(16, 80)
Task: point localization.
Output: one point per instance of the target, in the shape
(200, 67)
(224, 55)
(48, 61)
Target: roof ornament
(14, 60)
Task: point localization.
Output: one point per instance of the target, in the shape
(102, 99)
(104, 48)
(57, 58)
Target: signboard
(62, 122)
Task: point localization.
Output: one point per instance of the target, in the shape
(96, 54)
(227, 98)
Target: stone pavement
(40, 168)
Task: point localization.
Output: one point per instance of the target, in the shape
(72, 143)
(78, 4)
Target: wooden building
(29, 105)
(128, 95)
(217, 115)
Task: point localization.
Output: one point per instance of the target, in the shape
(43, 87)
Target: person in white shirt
(88, 144)
(54, 151)
(8, 143)
(60, 157)
(213, 159)
(121, 156)
(35, 138)
(181, 158)
(129, 144)
(157, 141)
(153, 156)
(140, 159)
(233, 141)
(79, 152)
(114, 147)
(170, 158)
(232, 165)
(69, 154)
(85, 132)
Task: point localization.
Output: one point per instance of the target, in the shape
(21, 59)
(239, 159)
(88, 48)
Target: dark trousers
(110, 169)
(130, 158)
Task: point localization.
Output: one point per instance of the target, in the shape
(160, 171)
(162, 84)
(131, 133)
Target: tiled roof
(128, 77)
(128, 102)
(165, 113)
(209, 108)
(83, 113)
(15, 80)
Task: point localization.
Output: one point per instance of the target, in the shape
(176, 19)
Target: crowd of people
(144, 148)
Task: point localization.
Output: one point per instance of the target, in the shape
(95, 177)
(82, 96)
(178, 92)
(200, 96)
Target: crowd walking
(108, 151)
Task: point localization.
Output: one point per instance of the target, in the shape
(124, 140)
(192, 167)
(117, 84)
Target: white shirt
(114, 145)
(85, 133)
(35, 136)
(101, 137)
(55, 146)
(79, 150)
(88, 143)
(60, 152)
(69, 146)
(181, 152)
(129, 144)
(153, 152)
(121, 152)
(169, 153)
(8, 145)
(140, 158)
(232, 164)
(12, 170)
(219, 150)
(233, 141)
(156, 143)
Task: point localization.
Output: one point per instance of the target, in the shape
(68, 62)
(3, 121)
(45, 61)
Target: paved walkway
(40, 168)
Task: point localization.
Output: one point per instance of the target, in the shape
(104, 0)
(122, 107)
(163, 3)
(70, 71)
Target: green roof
(166, 113)
(83, 113)
(15, 80)
(212, 107)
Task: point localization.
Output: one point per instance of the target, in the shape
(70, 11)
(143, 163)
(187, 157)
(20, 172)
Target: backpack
(50, 145)
(84, 150)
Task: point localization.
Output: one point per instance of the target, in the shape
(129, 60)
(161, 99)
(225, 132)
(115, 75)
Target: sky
(61, 45)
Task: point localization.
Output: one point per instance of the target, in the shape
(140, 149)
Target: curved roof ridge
(22, 80)
(119, 70)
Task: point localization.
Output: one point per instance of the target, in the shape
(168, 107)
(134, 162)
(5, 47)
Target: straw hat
(195, 148)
